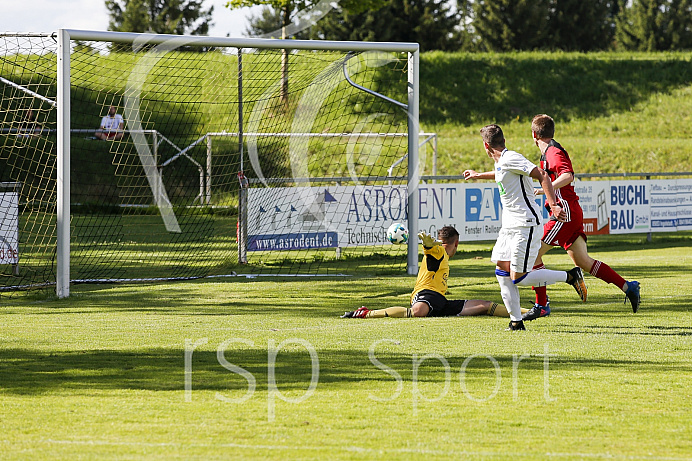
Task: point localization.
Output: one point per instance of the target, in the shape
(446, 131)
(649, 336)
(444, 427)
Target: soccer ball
(397, 233)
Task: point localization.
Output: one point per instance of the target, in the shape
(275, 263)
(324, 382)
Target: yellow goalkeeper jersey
(433, 272)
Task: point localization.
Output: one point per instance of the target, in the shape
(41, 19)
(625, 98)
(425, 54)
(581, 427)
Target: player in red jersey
(570, 234)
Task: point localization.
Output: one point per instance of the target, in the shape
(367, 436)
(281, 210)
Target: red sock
(541, 292)
(605, 273)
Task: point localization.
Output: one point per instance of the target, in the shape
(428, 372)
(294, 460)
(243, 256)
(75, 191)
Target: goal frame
(65, 38)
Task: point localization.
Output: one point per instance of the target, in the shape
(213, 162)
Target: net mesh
(27, 160)
(274, 147)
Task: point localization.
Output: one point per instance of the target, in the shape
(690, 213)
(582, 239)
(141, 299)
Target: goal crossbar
(258, 43)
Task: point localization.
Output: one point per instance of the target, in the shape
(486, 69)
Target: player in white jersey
(111, 126)
(517, 245)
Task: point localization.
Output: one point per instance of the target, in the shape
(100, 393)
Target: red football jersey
(555, 161)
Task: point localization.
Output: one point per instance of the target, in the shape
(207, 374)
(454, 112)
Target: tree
(159, 16)
(464, 34)
(577, 25)
(505, 25)
(266, 22)
(286, 10)
(431, 23)
(570, 25)
(270, 20)
(651, 25)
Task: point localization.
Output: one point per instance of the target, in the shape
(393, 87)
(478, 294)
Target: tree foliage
(298, 5)
(505, 25)
(159, 16)
(270, 20)
(495, 25)
(286, 9)
(432, 23)
(578, 25)
(653, 25)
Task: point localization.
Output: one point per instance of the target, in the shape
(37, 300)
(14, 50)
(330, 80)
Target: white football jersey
(112, 123)
(519, 207)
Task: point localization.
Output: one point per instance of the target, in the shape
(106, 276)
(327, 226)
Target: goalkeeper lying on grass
(428, 297)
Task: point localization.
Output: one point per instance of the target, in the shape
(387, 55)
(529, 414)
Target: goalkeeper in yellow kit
(428, 297)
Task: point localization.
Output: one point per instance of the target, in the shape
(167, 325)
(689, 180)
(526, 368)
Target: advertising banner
(9, 228)
(629, 207)
(683, 191)
(671, 205)
(593, 198)
(345, 216)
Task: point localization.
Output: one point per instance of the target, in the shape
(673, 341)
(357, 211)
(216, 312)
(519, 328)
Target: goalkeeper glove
(428, 241)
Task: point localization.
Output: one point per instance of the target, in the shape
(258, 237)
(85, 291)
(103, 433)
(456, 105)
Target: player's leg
(540, 308)
(545, 277)
(579, 253)
(476, 307)
(510, 295)
(526, 246)
(541, 291)
(365, 313)
(552, 233)
(420, 309)
(422, 305)
(482, 307)
(527, 249)
(503, 252)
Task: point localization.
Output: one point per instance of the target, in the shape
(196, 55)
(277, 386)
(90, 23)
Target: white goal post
(66, 41)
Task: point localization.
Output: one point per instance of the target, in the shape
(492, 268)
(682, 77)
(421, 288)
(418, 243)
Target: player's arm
(542, 177)
(471, 174)
(563, 180)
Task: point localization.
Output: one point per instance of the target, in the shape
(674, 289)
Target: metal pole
(240, 106)
(62, 288)
(649, 236)
(261, 43)
(208, 199)
(434, 165)
(413, 173)
(155, 149)
(242, 198)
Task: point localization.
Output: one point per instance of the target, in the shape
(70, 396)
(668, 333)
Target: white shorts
(519, 246)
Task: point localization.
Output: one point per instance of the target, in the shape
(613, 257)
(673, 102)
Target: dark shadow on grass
(627, 330)
(603, 305)
(32, 372)
(600, 243)
(233, 297)
(331, 298)
(388, 294)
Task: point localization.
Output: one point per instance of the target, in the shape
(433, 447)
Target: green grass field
(105, 374)
(102, 375)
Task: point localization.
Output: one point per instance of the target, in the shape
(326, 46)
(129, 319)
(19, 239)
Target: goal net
(181, 157)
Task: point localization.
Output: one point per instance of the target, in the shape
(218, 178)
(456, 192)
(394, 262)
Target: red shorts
(563, 234)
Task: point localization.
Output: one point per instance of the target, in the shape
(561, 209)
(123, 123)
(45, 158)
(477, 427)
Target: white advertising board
(671, 205)
(9, 228)
(344, 216)
(629, 207)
